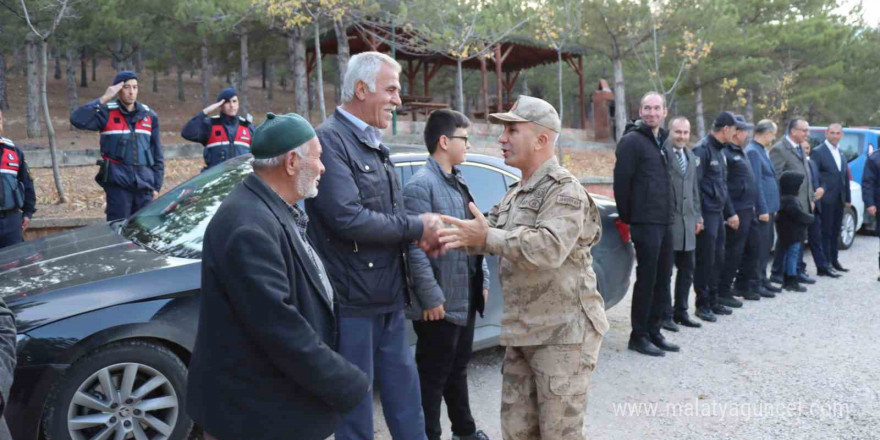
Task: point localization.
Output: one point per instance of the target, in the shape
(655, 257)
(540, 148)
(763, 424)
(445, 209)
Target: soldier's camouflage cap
(530, 109)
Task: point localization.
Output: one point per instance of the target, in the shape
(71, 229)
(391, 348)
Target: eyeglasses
(464, 138)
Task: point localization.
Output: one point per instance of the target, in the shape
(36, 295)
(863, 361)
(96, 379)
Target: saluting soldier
(17, 197)
(554, 317)
(132, 164)
(224, 136)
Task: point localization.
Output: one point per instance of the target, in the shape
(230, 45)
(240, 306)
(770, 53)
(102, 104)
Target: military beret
(227, 94)
(280, 134)
(124, 76)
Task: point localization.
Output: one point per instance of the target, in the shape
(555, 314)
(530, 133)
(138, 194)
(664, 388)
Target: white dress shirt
(835, 152)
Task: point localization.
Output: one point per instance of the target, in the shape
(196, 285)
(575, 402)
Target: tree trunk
(56, 173)
(296, 46)
(206, 71)
(459, 86)
(263, 68)
(71, 82)
(94, 67)
(270, 79)
(156, 78)
(33, 88)
(619, 97)
(559, 80)
(4, 101)
(750, 108)
(340, 27)
(181, 96)
(138, 60)
(242, 81)
(57, 58)
(19, 61)
(701, 117)
(83, 68)
(319, 67)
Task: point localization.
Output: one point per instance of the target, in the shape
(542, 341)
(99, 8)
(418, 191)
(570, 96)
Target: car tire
(79, 406)
(847, 229)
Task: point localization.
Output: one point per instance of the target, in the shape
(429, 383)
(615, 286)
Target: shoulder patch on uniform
(146, 107)
(568, 200)
(112, 104)
(215, 117)
(560, 174)
(7, 141)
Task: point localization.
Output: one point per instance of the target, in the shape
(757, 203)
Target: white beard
(307, 185)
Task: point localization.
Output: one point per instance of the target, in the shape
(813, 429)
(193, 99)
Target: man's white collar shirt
(834, 152)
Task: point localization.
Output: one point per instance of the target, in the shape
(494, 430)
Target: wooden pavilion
(507, 59)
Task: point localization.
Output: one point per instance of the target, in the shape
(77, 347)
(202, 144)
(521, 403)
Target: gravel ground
(799, 366)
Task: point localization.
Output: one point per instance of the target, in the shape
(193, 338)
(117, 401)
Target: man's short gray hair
(364, 67)
(261, 164)
(765, 126)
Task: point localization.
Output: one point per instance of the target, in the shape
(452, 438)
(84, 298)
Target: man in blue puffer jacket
(132, 164)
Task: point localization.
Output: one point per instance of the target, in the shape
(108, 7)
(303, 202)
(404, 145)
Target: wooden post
(583, 99)
(484, 85)
(498, 61)
(427, 80)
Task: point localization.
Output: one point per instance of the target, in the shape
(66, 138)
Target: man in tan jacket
(554, 317)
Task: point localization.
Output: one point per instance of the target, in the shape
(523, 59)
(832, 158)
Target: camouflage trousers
(544, 390)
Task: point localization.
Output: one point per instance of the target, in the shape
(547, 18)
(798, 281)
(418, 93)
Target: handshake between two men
(437, 238)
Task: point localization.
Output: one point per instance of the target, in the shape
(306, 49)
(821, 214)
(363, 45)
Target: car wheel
(125, 390)
(848, 230)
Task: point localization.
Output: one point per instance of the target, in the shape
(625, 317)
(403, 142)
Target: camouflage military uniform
(554, 317)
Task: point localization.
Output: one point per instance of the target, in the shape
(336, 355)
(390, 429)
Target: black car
(107, 314)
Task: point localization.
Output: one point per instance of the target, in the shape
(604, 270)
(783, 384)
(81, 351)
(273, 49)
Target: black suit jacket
(263, 366)
(835, 180)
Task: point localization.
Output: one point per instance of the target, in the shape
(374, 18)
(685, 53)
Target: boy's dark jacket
(793, 218)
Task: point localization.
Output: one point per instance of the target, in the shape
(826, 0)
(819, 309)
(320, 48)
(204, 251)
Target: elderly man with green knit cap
(264, 364)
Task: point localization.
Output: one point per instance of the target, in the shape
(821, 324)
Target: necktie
(682, 161)
(800, 152)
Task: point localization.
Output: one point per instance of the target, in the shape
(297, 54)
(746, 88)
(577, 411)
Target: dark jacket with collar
(359, 222)
(741, 183)
(793, 219)
(446, 279)
(712, 176)
(685, 199)
(765, 177)
(264, 348)
(835, 180)
(641, 181)
(871, 180)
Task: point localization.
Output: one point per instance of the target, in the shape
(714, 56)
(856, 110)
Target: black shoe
(749, 295)
(644, 346)
(719, 309)
(705, 313)
(803, 278)
(827, 272)
(765, 292)
(774, 278)
(791, 284)
(669, 325)
(729, 302)
(660, 342)
(685, 320)
(836, 265)
(771, 288)
(479, 435)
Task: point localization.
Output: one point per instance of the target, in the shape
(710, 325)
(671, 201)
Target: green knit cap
(280, 134)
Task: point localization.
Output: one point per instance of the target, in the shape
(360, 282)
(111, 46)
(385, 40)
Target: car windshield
(175, 223)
